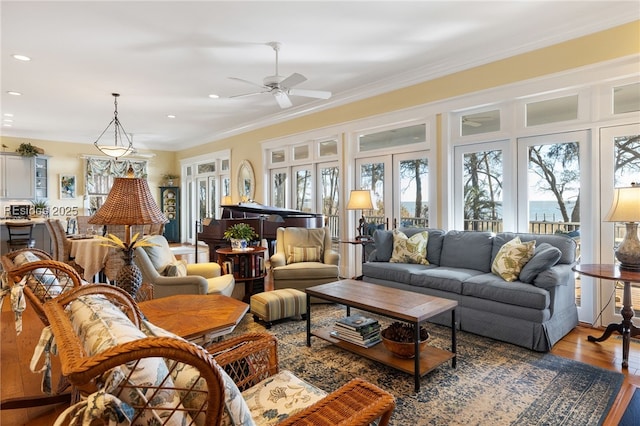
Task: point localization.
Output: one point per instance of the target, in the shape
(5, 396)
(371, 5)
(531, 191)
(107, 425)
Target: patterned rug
(494, 382)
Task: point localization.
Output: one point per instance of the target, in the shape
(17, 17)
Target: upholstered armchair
(303, 258)
(170, 276)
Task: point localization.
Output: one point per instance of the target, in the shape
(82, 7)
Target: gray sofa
(534, 311)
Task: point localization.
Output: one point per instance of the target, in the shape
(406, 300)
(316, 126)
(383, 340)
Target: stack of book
(357, 329)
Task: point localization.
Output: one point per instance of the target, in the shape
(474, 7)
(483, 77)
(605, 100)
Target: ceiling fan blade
(293, 80)
(282, 99)
(249, 94)
(471, 123)
(320, 94)
(246, 81)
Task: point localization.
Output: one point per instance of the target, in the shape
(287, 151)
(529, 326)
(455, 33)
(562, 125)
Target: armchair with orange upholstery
(170, 276)
(303, 258)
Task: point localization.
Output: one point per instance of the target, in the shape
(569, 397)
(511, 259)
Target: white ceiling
(166, 57)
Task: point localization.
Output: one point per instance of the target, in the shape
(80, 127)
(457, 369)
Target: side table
(246, 266)
(362, 243)
(626, 327)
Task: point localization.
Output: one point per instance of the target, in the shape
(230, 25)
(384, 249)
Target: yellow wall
(607, 45)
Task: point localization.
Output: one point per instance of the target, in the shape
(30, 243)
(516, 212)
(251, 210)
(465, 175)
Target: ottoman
(270, 306)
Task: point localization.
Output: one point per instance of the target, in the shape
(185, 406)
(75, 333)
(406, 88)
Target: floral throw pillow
(511, 257)
(409, 250)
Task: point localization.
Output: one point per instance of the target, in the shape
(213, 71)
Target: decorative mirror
(246, 181)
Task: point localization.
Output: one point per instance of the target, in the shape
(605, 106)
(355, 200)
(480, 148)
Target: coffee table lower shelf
(430, 357)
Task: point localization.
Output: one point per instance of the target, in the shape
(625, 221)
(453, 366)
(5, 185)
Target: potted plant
(399, 339)
(169, 177)
(40, 208)
(240, 234)
(27, 150)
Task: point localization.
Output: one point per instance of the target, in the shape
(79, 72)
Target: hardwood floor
(16, 379)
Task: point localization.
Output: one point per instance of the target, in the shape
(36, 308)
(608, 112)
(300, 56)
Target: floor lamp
(626, 208)
(360, 199)
(129, 203)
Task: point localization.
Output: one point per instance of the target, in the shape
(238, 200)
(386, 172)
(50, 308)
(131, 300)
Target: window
(100, 173)
(552, 110)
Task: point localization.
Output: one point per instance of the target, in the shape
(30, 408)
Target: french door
(620, 166)
(399, 185)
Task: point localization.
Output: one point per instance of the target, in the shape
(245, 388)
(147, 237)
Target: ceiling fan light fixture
(123, 145)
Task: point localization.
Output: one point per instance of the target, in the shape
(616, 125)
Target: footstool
(270, 306)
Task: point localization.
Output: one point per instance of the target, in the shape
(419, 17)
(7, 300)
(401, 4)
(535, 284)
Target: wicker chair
(246, 359)
(44, 279)
(61, 244)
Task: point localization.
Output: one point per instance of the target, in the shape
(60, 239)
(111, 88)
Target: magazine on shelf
(356, 322)
(364, 343)
(362, 334)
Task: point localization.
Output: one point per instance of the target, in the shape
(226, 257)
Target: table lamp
(360, 199)
(626, 208)
(129, 203)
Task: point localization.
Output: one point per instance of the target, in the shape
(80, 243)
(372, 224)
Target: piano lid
(260, 209)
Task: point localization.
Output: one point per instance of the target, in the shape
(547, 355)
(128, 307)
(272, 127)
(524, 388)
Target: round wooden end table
(626, 327)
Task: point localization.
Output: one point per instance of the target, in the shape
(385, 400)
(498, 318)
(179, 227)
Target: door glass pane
(212, 197)
(224, 165)
(482, 178)
(414, 195)
(372, 178)
(279, 191)
(330, 195)
(626, 98)
(626, 171)
(394, 137)
(303, 188)
(552, 110)
(202, 198)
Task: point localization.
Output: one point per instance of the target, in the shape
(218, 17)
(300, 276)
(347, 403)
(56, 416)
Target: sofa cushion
(567, 245)
(101, 325)
(160, 253)
(511, 257)
(409, 250)
(443, 278)
(303, 254)
(544, 257)
(468, 250)
(383, 241)
(491, 287)
(398, 272)
(280, 396)
(177, 268)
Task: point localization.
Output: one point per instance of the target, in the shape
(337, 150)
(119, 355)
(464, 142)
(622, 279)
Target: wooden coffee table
(415, 308)
(199, 318)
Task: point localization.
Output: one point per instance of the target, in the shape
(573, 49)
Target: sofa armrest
(206, 270)
(278, 259)
(561, 274)
(331, 257)
(356, 403)
(168, 286)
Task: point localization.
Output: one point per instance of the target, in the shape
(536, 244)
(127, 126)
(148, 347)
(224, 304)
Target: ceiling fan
(280, 87)
(475, 121)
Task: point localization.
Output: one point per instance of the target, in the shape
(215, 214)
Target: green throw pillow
(410, 250)
(511, 257)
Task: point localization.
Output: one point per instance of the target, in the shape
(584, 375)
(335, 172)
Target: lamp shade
(626, 205)
(360, 199)
(129, 203)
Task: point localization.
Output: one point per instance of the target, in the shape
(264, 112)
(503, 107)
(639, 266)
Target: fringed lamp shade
(129, 203)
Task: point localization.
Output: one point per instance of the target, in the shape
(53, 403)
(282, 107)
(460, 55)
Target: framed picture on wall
(67, 186)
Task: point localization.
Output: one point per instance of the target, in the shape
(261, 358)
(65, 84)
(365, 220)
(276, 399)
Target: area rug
(494, 383)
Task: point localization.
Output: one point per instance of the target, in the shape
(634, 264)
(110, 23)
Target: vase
(129, 277)
(238, 244)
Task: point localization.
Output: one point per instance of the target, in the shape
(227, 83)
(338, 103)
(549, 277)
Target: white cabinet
(17, 177)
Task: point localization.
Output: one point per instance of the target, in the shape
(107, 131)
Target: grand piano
(264, 219)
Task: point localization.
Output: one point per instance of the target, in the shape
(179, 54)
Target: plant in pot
(27, 150)
(169, 178)
(399, 339)
(40, 208)
(239, 235)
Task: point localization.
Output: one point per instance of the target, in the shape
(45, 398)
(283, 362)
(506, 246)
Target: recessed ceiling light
(11, 92)
(7, 125)
(8, 114)
(171, 116)
(214, 96)
(22, 58)
(7, 120)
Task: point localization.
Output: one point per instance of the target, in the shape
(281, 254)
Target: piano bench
(270, 306)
